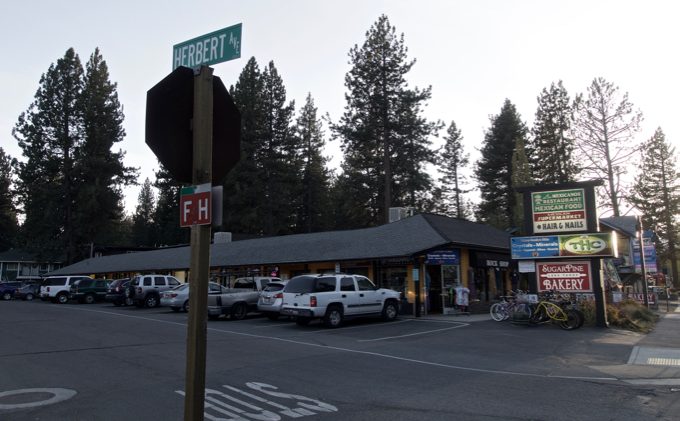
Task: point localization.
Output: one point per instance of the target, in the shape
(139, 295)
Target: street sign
(215, 47)
(559, 211)
(195, 205)
(564, 276)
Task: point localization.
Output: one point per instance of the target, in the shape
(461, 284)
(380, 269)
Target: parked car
(27, 292)
(115, 293)
(334, 298)
(240, 299)
(7, 289)
(178, 298)
(145, 290)
(87, 291)
(270, 300)
(57, 288)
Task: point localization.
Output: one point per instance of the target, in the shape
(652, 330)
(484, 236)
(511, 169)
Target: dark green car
(89, 290)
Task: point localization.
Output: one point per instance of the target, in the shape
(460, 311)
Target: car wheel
(89, 299)
(333, 317)
(29, 297)
(6, 296)
(151, 301)
(302, 321)
(62, 298)
(239, 311)
(185, 307)
(390, 311)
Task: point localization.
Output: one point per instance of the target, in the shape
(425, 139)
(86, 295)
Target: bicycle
(562, 312)
(504, 309)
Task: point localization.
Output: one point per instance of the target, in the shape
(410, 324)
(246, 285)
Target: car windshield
(54, 281)
(274, 286)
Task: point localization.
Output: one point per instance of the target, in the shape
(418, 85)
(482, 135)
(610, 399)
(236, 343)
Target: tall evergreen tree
(143, 231)
(551, 148)
(242, 189)
(8, 215)
(166, 214)
(314, 210)
(453, 160)
(101, 172)
(384, 138)
(604, 129)
(276, 156)
(50, 133)
(494, 168)
(656, 192)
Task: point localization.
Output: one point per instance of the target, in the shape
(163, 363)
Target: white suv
(57, 288)
(336, 297)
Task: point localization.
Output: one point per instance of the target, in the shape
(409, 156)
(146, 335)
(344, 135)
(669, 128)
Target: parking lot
(100, 362)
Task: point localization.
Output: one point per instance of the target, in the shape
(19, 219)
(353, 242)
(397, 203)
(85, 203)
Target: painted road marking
(414, 334)
(58, 395)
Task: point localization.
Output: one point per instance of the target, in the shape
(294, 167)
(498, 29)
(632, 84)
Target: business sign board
(650, 253)
(559, 211)
(443, 257)
(564, 276)
(215, 47)
(569, 245)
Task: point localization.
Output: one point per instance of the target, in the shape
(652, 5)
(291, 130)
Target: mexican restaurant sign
(559, 211)
(571, 245)
(566, 276)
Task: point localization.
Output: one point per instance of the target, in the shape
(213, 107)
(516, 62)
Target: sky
(474, 54)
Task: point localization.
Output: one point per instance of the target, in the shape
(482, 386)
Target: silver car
(271, 299)
(178, 298)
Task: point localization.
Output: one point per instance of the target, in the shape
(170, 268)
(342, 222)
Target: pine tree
(384, 138)
(551, 149)
(604, 130)
(8, 215)
(50, 133)
(314, 210)
(101, 172)
(166, 214)
(242, 187)
(143, 232)
(276, 156)
(494, 169)
(453, 160)
(656, 192)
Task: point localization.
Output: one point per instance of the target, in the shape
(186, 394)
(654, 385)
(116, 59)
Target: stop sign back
(169, 114)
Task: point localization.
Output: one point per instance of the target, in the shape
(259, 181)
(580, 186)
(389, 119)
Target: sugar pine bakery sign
(559, 211)
(567, 276)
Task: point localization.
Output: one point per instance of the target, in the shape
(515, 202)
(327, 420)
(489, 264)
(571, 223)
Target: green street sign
(212, 48)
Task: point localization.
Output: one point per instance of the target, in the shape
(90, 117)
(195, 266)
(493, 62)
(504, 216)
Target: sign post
(199, 269)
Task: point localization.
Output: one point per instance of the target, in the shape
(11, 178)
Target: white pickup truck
(240, 299)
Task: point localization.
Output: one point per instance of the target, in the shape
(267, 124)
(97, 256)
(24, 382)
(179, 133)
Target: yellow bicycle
(562, 313)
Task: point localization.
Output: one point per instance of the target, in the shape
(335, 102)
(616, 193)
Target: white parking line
(414, 334)
(373, 354)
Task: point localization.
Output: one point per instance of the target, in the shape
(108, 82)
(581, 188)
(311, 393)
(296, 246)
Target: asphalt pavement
(654, 357)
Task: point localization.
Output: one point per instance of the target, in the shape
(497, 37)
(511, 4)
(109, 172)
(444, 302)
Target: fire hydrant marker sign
(559, 211)
(195, 206)
(567, 276)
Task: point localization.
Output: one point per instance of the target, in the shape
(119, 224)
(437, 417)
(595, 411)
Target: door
(369, 297)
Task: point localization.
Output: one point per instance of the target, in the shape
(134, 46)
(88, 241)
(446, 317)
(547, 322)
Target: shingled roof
(406, 237)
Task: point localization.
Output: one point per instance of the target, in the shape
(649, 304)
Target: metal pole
(200, 251)
(642, 261)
